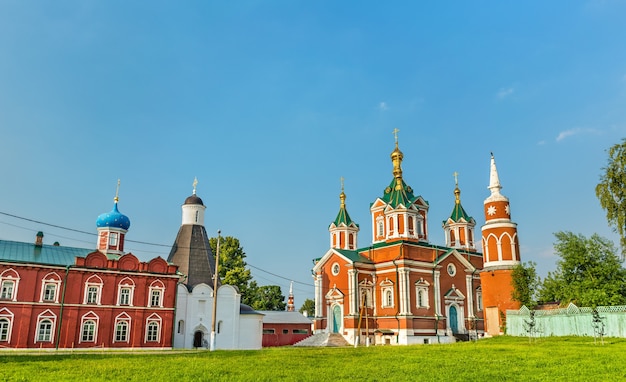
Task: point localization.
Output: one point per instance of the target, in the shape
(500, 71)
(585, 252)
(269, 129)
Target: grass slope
(496, 359)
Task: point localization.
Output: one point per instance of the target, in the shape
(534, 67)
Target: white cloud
(541, 143)
(505, 92)
(571, 132)
(383, 106)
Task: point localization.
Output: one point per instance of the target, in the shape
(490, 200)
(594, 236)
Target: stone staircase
(323, 340)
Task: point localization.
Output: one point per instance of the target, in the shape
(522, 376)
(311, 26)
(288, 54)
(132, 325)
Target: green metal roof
(404, 196)
(353, 256)
(343, 217)
(14, 251)
(459, 213)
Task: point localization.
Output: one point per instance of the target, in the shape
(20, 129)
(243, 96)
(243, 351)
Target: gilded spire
(457, 191)
(458, 212)
(342, 196)
(342, 216)
(396, 159)
(117, 192)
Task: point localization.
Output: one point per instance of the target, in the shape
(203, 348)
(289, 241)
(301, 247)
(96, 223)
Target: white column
(403, 288)
(470, 296)
(318, 296)
(437, 294)
(352, 292)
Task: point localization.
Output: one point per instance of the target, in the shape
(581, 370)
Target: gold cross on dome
(117, 191)
(341, 183)
(195, 183)
(395, 133)
(456, 178)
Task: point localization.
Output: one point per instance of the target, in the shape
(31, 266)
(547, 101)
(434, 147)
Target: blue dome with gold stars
(113, 219)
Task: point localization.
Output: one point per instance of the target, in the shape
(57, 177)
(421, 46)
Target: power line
(130, 241)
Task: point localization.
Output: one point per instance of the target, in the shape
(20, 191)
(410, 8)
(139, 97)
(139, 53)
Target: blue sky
(269, 103)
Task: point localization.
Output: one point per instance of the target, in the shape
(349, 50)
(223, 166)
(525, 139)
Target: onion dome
(194, 199)
(113, 219)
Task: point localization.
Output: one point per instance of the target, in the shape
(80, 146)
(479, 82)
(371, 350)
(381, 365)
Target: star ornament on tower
(507, 209)
(491, 210)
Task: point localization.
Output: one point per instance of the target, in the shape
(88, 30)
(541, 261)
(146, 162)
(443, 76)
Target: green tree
(589, 272)
(268, 297)
(308, 306)
(611, 191)
(232, 267)
(525, 284)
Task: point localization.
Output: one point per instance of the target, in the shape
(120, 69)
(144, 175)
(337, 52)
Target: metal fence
(609, 321)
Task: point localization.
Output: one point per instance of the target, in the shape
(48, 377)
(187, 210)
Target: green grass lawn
(496, 359)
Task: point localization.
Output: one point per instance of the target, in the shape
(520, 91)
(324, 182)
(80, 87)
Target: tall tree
(589, 272)
(525, 283)
(309, 307)
(269, 297)
(611, 191)
(232, 267)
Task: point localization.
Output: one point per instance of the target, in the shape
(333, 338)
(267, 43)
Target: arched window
(388, 297)
(44, 331)
(89, 331)
(9, 280)
(125, 292)
(381, 228)
(421, 291)
(153, 332)
(5, 328)
(93, 288)
(181, 327)
(387, 293)
(157, 289)
(121, 331)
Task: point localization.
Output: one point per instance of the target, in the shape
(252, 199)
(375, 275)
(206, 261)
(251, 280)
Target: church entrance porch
(198, 339)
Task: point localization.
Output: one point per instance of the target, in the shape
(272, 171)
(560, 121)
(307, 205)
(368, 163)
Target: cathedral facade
(403, 289)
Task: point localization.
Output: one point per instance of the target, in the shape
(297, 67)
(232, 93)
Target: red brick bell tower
(500, 256)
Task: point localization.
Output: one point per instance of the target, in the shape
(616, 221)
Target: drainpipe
(67, 271)
(175, 326)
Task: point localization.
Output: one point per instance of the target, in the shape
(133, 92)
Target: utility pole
(216, 278)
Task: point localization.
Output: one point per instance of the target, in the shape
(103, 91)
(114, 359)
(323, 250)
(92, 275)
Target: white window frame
(8, 288)
(422, 287)
(113, 239)
(9, 277)
(42, 334)
(151, 321)
(479, 299)
(122, 318)
(126, 284)
(156, 286)
(52, 281)
(88, 331)
(366, 289)
(387, 294)
(7, 317)
(93, 282)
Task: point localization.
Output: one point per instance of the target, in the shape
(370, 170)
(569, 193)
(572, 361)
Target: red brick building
(282, 328)
(403, 289)
(57, 297)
